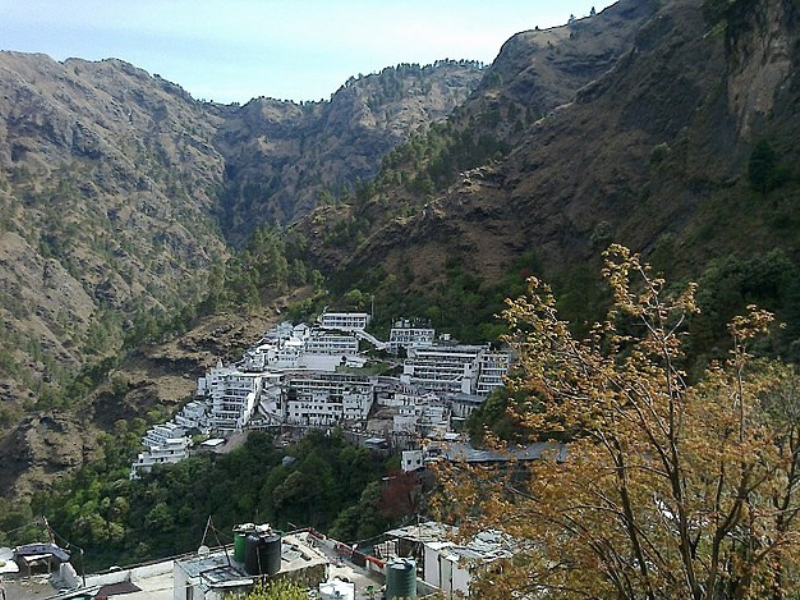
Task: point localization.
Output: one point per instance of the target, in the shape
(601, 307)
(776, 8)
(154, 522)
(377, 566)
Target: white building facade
(324, 398)
(344, 321)
(456, 369)
(234, 396)
(405, 334)
(171, 451)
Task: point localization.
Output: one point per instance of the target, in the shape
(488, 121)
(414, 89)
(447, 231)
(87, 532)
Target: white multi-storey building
(280, 332)
(405, 334)
(442, 368)
(323, 398)
(327, 342)
(172, 450)
(234, 396)
(456, 369)
(423, 418)
(492, 369)
(158, 435)
(344, 321)
(194, 415)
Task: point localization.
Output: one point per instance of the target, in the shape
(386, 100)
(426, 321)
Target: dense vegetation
(281, 589)
(320, 482)
(671, 488)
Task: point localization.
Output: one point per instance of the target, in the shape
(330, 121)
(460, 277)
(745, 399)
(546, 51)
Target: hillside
(106, 188)
(282, 158)
(640, 125)
(654, 154)
(535, 74)
(119, 194)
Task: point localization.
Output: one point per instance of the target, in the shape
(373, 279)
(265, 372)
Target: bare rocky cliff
(762, 59)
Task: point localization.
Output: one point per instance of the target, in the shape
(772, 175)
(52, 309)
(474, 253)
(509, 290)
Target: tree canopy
(669, 488)
(281, 589)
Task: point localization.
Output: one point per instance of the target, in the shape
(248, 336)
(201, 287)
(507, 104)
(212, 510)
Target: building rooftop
(427, 532)
(213, 443)
(218, 569)
(467, 453)
(196, 564)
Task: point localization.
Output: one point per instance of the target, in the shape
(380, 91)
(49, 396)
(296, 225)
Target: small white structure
(344, 321)
(447, 565)
(158, 435)
(194, 415)
(234, 396)
(446, 568)
(411, 460)
(171, 451)
(406, 334)
(337, 589)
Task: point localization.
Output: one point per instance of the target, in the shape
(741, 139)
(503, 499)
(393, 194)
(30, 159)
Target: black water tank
(251, 558)
(271, 554)
(262, 554)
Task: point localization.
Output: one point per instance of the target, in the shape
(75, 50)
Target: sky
(235, 50)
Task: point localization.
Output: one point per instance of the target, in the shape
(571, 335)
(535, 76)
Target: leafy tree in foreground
(668, 489)
(281, 589)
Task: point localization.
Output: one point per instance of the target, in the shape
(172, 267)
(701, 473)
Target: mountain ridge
(112, 186)
(596, 160)
(651, 151)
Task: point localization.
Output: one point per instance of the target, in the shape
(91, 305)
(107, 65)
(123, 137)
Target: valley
(146, 235)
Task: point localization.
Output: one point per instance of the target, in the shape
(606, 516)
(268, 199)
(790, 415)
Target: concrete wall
(70, 577)
(132, 574)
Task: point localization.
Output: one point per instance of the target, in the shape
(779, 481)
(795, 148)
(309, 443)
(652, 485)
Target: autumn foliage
(669, 489)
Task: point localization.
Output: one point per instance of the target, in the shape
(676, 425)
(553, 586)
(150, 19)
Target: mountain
(536, 74)
(106, 187)
(667, 126)
(119, 193)
(657, 153)
(281, 157)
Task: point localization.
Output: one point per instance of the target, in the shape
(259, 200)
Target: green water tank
(401, 579)
(239, 534)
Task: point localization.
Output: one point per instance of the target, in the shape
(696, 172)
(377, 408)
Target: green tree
(160, 518)
(282, 589)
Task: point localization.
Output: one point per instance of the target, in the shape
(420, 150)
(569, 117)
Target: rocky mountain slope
(119, 192)
(654, 154)
(106, 186)
(536, 74)
(149, 384)
(638, 125)
(282, 158)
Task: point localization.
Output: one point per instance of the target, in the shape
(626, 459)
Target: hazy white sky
(234, 50)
